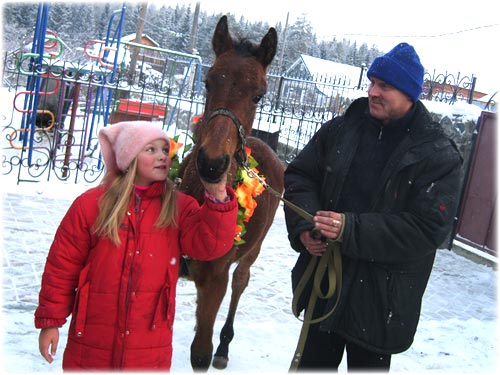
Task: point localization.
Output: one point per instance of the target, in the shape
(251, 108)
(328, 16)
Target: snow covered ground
(457, 332)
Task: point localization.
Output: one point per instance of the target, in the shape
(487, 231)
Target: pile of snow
(468, 112)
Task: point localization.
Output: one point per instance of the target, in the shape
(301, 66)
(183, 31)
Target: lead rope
(330, 263)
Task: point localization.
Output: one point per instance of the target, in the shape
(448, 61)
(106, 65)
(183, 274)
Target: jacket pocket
(81, 301)
(404, 295)
(391, 299)
(80, 308)
(161, 313)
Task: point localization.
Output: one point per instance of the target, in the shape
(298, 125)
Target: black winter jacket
(387, 250)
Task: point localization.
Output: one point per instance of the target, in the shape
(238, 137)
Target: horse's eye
(257, 99)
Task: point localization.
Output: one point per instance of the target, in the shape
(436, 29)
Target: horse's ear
(221, 41)
(268, 47)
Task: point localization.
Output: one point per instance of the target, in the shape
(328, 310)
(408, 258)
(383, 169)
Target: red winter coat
(122, 298)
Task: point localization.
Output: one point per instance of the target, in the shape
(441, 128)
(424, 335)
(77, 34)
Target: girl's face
(153, 163)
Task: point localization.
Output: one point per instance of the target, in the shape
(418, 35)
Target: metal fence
(55, 108)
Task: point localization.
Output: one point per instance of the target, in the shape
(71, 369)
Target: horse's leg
(211, 285)
(241, 276)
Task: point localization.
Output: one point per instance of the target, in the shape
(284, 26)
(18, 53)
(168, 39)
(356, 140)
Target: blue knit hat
(401, 68)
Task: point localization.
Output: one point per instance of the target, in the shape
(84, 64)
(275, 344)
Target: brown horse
(234, 85)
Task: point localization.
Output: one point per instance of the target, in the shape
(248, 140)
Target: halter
(241, 157)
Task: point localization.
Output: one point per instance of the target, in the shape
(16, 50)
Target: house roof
(485, 98)
(325, 69)
(329, 75)
(131, 38)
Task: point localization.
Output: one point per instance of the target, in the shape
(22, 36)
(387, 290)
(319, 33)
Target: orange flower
(174, 147)
(248, 187)
(246, 201)
(237, 233)
(244, 198)
(197, 119)
(253, 184)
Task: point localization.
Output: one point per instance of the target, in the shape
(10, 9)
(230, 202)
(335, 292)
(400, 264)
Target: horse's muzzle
(211, 170)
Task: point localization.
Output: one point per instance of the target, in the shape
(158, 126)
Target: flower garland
(174, 156)
(246, 188)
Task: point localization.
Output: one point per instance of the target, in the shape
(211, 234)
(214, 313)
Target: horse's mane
(245, 47)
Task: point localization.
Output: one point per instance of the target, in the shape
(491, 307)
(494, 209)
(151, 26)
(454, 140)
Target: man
(383, 181)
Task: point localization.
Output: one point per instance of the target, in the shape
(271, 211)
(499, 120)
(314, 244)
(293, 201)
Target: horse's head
(234, 86)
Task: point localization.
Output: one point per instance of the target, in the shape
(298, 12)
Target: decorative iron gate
(57, 107)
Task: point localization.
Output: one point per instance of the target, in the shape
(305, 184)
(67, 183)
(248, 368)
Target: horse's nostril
(211, 170)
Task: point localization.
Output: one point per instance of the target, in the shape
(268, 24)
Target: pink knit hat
(122, 142)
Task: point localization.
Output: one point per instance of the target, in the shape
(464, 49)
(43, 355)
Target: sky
(447, 35)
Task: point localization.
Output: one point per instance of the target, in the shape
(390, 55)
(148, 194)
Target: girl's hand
(217, 190)
(47, 343)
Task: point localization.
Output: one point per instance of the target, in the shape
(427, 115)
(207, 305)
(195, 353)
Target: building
(148, 53)
(322, 84)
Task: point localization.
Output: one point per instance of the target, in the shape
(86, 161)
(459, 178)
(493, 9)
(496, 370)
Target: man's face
(387, 102)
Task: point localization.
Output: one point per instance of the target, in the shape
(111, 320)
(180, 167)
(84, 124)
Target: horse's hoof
(200, 363)
(220, 363)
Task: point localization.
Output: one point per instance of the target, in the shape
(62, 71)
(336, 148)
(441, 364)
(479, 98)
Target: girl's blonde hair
(115, 201)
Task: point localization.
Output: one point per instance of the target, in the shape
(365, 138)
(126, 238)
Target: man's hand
(313, 244)
(329, 223)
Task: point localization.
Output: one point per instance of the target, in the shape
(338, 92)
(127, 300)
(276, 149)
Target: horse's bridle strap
(242, 157)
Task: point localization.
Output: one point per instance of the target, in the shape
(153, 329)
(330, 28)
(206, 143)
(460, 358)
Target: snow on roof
(330, 75)
(131, 38)
(329, 69)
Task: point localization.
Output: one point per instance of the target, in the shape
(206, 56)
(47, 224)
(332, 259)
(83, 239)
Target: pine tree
(170, 26)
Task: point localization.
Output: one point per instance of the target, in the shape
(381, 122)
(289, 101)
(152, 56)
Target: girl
(114, 261)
